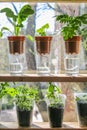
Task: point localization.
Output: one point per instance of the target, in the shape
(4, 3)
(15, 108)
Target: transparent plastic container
(55, 108)
(81, 108)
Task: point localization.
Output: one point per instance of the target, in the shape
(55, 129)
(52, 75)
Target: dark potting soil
(82, 113)
(55, 116)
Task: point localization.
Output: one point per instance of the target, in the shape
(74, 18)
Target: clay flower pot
(16, 44)
(43, 44)
(72, 45)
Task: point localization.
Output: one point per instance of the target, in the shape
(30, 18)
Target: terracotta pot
(16, 44)
(43, 44)
(72, 45)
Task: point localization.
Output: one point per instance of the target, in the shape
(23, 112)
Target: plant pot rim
(58, 96)
(16, 44)
(23, 109)
(74, 38)
(16, 37)
(51, 100)
(80, 94)
(43, 38)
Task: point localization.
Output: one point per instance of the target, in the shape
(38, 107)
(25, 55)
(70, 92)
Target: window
(39, 18)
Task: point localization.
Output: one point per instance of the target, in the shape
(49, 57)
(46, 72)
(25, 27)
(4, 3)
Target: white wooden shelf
(39, 78)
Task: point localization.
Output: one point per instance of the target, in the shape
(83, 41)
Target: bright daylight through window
(45, 14)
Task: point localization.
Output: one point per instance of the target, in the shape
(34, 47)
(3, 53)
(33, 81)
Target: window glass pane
(45, 13)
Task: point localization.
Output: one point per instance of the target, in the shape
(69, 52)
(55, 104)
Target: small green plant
(25, 97)
(6, 92)
(53, 95)
(42, 31)
(5, 89)
(81, 98)
(17, 19)
(73, 25)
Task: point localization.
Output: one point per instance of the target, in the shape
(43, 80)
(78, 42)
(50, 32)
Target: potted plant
(16, 41)
(71, 32)
(43, 41)
(43, 47)
(23, 96)
(81, 107)
(24, 100)
(56, 103)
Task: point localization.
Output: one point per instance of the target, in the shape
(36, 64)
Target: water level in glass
(16, 68)
(43, 70)
(72, 65)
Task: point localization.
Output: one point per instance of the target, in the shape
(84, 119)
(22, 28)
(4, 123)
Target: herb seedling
(6, 89)
(3, 89)
(25, 97)
(43, 30)
(82, 98)
(53, 95)
(73, 25)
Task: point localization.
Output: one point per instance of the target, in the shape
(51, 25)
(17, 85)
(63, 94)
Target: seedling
(42, 31)
(72, 25)
(54, 95)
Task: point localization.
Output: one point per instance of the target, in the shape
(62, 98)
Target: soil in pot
(24, 117)
(82, 113)
(72, 45)
(43, 44)
(55, 116)
(16, 44)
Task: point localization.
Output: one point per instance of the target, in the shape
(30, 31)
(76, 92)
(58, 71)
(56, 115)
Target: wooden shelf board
(39, 126)
(39, 78)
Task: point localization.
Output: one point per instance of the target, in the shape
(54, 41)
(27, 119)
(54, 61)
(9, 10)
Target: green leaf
(25, 11)
(18, 19)
(4, 29)
(30, 38)
(1, 34)
(9, 13)
(63, 18)
(42, 30)
(53, 95)
(72, 24)
(25, 96)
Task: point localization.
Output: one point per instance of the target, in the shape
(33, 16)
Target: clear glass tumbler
(71, 64)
